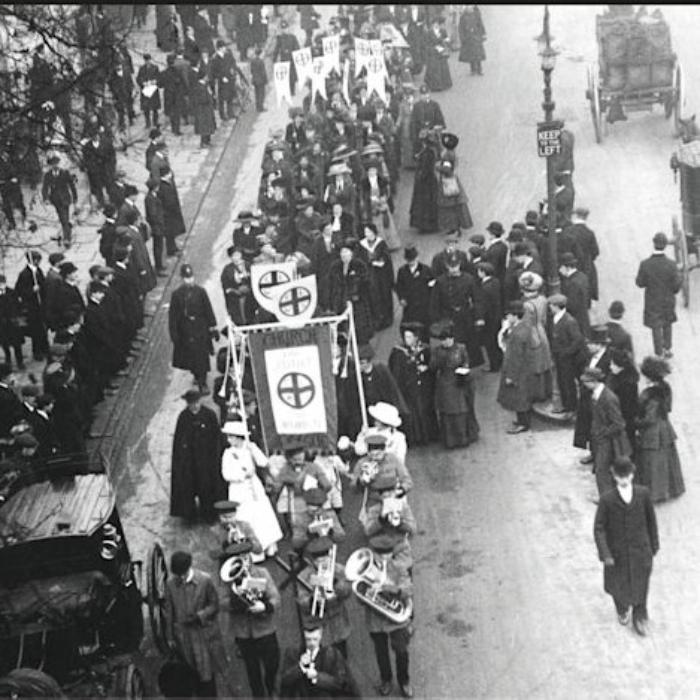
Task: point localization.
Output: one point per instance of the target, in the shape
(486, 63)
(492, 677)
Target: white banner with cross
(318, 77)
(266, 280)
(296, 301)
(303, 62)
(331, 53)
(296, 390)
(362, 54)
(280, 72)
(376, 80)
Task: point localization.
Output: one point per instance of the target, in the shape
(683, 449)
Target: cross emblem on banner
(295, 301)
(280, 73)
(271, 279)
(375, 65)
(302, 59)
(297, 390)
(318, 67)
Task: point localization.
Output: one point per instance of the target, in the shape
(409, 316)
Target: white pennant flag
(331, 52)
(303, 63)
(296, 300)
(362, 54)
(376, 77)
(267, 278)
(375, 48)
(281, 75)
(318, 77)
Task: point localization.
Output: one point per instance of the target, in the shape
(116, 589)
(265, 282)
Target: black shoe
(588, 459)
(517, 429)
(625, 617)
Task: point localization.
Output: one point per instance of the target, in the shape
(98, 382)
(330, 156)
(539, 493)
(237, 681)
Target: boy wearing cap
(661, 280)
(392, 514)
(381, 629)
(379, 463)
(315, 670)
(254, 626)
(234, 530)
(335, 620)
(315, 521)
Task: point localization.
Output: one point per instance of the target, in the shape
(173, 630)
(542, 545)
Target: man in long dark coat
(660, 279)
(453, 298)
(196, 460)
(148, 77)
(192, 327)
(586, 249)
(30, 293)
(627, 540)
(173, 221)
(575, 287)
(413, 284)
(425, 115)
(471, 37)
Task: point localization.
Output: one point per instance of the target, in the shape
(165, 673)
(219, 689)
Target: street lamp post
(549, 57)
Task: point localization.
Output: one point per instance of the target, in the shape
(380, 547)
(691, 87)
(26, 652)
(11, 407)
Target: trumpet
(368, 472)
(323, 588)
(320, 526)
(368, 577)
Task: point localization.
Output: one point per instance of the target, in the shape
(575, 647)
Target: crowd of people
(326, 202)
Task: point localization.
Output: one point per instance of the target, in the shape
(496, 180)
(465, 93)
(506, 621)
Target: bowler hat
(192, 395)
(186, 270)
(449, 140)
(599, 334)
(496, 228)
(366, 352)
(410, 252)
(660, 241)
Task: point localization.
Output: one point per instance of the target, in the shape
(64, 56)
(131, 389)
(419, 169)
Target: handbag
(450, 188)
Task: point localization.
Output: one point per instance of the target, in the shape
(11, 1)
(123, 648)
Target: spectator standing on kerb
(258, 76)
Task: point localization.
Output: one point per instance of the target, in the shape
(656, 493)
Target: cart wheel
(128, 683)
(157, 575)
(680, 249)
(593, 94)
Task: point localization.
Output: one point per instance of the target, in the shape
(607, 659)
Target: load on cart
(637, 67)
(686, 235)
(70, 597)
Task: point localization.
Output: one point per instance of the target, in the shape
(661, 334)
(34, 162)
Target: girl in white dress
(238, 465)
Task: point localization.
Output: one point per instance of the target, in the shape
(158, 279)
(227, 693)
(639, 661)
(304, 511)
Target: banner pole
(358, 371)
(230, 350)
(239, 379)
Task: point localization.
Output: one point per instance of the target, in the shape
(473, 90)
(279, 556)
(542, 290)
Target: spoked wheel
(129, 684)
(680, 249)
(593, 95)
(157, 575)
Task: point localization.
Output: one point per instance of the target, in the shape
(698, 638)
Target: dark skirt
(458, 429)
(422, 428)
(437, 73)
(660, 470)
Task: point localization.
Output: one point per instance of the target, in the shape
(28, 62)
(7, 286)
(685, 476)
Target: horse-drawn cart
(636, 70)
(71, 606)
(686, 234)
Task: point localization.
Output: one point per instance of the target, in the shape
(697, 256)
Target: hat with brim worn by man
(338, 169)
(226, 506)
(192, 395)
(385, 413)
(375, 440)
(599, 334)
(366, 352)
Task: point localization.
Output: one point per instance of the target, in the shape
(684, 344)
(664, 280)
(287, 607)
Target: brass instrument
(248, 589)
(320, 526)
(368, 577)
(323, 588)
(391, 509)
(368, 472)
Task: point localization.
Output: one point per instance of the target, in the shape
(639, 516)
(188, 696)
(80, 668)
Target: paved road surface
(509, 599)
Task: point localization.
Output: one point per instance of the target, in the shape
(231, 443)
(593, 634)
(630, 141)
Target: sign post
(549, 138)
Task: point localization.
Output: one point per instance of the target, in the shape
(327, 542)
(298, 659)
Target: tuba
(368, 577)
(248, 589)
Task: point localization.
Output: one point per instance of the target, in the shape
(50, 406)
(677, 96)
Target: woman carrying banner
(238, 467)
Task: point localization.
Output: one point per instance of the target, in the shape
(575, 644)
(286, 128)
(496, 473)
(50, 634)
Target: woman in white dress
(238, 465)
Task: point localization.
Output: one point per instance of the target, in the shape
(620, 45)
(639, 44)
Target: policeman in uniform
(335, 619)
(383, 630)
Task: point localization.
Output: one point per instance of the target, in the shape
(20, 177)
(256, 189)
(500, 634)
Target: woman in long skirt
(374, 253)
(238, 467)
(409, 362)
(656, 453)
(424, 201)
(453, 210)
(454, 390)
(535, 307)
(437, 72)
(377, 203)
(404, 127)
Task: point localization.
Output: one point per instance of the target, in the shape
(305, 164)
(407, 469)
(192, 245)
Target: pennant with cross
(296, 300)
(280, 72)
(265, 280)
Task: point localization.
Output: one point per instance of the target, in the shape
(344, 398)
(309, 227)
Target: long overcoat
(196, 462)
(661, 280)
(202, 105)
(517, 368)
(628, 534)
(191, 318)
(471, 37)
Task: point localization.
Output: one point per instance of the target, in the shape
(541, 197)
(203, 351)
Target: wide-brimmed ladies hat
(234, 427)
(385, 413)
(338, 169)
(530, 282)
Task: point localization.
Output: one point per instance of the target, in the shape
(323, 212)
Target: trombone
(323, 587)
